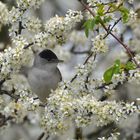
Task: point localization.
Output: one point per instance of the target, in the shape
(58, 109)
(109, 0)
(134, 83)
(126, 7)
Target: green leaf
(100, 9)
(89, 25)
(108, 75)
(130, 66)
(86, 32)
(117, 66)
(115, 69)
(97, 19)
(113, 6)
(124, 13)
(107, 19)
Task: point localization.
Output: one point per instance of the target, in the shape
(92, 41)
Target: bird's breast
(41, 81)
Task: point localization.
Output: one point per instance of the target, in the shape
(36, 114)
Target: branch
(116, 22)
(82, 52)
(20, 27)
(41, 136)
(4, 119)
(10, 93)
(28, 45)
(72, 50)
(103, 86)
(83, 64)
(100, 131)
(1, 83)
(78, 133)
(114, 36)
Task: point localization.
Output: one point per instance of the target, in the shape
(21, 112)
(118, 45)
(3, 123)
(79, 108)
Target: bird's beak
(60, 61)
(56, 61)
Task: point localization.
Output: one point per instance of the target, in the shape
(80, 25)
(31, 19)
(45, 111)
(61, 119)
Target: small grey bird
(44, 75)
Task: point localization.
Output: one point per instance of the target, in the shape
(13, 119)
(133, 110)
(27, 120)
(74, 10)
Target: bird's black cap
(49, 55)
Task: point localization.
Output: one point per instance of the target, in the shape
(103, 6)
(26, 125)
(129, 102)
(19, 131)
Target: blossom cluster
(132, 16)
(23, 103)
(99, 44)
(27, 4)
(3, 14)
(114, 136)
(134, 76)
(32, 24)
(93, 2)
(56, 29)
(13, 57)
(62, 107)
(15, 15)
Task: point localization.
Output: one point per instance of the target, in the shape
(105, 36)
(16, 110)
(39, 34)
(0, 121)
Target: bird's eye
(49, 59)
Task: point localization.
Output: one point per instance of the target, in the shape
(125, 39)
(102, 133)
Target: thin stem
(4, 119)
(83, 64)
(11, 94)
(110, 30)
(78, 133)
(20, 27)
(41, 136)
(28, 45)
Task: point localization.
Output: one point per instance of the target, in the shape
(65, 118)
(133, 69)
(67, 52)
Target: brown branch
(10, 94)
(4, 119)
(41, 136)
(101, 130)
(83, 64)
(1, 83)
(72, 50)
(78, 133)
(80, 52)
(114, 36)
(110, 30)
(27, 46)
(20, 27)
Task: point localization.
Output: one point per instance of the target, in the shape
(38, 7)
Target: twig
(9, 94)
(103, 25)
(82, 52)
(72, 50)
(4, 119)
(78, 133)
(28, 45)
(47, 137)
(100, 131)
(1, 83)
(20, 27)
(110, 30)
(83, 64)
(41, 136)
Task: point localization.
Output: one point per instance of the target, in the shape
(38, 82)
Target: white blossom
(134, 76)
(114, 136)
(58, 27)
(92, 2)
(63, 107)
(24, 4)
(12, 58)
(32, 24)
(99, 44)
(131, 1)
(3, 14)
(132, 16)
(15, 15)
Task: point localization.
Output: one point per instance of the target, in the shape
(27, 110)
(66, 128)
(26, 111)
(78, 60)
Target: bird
(44, 75)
